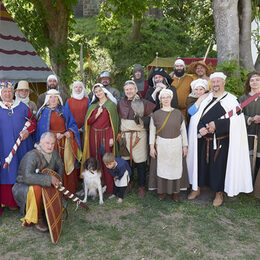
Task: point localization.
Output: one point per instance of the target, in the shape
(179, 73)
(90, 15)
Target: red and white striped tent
(18, 58)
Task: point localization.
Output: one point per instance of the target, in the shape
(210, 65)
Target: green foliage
(236, 76)
(31, 18)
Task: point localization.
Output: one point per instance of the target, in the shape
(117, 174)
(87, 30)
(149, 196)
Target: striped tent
(18, 58)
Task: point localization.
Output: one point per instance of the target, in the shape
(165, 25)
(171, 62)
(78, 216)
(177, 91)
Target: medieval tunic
(98, 132)
(12, 122)
(128, 124)
(182, 86)
(60, 120)
(78, 109)
(221, 160)
(27, 175)
(253, 129)
(170, 141)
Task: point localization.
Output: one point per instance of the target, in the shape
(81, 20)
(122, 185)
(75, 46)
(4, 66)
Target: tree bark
(245, 54)
(57, 31)
(225, 14)
(257, 63)
(136, 29)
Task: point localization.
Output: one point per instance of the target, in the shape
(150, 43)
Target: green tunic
(253, 129)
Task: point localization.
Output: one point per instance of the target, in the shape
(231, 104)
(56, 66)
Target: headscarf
(52, 76)
(200, 83)
(159, 71)
(218, 75)
(139, 82)
(83, 92)
(179, 62)
(51, 92)
(108, 94)
(167, 92)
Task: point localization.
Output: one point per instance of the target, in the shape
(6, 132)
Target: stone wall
(78, 9)
(90, 7)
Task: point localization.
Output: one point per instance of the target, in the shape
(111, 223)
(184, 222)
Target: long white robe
(238, 171)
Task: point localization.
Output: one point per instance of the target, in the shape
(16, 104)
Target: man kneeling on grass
(120, 171)
(27, 190)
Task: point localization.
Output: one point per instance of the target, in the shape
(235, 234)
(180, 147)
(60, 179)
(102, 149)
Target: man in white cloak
(218, 154)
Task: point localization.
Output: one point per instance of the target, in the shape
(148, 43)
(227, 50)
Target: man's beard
(179, 73)
(106, 83)
(164, 81)
(52, 87)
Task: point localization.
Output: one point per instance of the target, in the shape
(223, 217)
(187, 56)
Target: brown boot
(41, 225)
(162, 196)
(175, 197)
(218, 199)
(141, 192)
(194, 194)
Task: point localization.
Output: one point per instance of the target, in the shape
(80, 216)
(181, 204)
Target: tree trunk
(136, 29)
(257, 63)
(225, 14)
(57, 31)
(245, 54)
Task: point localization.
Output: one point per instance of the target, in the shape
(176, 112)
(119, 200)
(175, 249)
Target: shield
(52, 201)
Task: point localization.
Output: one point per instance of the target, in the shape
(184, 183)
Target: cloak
(114, 119)
(238, 171)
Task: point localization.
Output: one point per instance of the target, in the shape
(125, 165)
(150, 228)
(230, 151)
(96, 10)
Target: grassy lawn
(142, 229)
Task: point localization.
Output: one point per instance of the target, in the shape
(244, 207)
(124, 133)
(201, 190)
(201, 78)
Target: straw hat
(193, 65)
(23, 84)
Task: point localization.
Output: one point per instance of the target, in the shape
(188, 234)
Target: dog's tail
(104, 188)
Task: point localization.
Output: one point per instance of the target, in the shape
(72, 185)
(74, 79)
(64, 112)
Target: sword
(62, 189)
(240, 106)
(237, 108)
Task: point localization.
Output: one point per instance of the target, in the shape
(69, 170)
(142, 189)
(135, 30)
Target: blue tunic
(44, 118)
(120, 169)
(10, 127)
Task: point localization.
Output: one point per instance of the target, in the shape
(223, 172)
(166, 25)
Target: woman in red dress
(100, 131)
(78, 105)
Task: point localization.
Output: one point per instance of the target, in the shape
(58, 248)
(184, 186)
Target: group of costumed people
(213, 152)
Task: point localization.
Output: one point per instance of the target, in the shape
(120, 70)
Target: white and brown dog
(92, 180)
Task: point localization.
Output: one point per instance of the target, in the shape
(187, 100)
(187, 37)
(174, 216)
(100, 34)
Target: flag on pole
(88, 59)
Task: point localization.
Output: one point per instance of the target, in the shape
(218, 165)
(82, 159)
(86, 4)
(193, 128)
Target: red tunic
(100, 133)
(79, 109)
(57, 125)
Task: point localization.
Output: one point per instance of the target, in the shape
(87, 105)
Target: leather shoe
(140, 192)
(175, 197)
(194, 194)
(218, 199)
(162, 196)
(41, 225)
